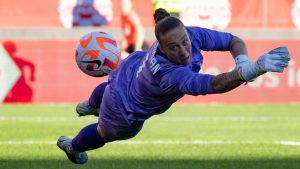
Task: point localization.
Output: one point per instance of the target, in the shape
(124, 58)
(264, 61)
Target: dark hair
(164, 22)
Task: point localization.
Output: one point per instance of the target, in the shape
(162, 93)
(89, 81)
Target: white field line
(45, 119)
(215, 118)
(229, 118)
(164, 142)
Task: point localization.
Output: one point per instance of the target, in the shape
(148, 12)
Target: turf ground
(185, 137)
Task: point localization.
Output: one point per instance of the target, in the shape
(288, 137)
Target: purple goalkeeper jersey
(146, 83)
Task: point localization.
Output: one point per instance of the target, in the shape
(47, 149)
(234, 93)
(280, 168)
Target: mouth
(186, 58)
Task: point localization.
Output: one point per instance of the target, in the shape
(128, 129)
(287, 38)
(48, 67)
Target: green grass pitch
(185, 137)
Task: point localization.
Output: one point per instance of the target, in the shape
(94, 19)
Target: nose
(184, 52)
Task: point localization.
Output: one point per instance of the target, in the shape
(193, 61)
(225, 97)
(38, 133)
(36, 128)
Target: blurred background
(38, 39)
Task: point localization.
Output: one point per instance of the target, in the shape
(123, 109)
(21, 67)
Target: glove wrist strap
(241, 58)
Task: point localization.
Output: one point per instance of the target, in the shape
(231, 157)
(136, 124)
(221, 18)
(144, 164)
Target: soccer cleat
(65, 143)
(84, 109)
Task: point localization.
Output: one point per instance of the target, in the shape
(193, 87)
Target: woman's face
(176, 45)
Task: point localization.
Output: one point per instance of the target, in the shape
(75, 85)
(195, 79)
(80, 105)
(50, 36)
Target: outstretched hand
(275, 60)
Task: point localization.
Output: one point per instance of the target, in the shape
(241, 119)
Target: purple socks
(96, 97)
(88, 139)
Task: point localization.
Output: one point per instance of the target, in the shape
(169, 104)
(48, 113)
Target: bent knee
(113, 133)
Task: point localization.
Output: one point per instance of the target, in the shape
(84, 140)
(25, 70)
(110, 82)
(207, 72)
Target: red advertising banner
(217, 14)
(264, 14)
(60, 13)
(50, 74)
(271, 87)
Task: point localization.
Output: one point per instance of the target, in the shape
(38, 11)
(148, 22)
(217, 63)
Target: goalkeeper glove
(273, 61)
(240, 60)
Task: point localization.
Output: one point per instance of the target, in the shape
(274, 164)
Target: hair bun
(159, 14)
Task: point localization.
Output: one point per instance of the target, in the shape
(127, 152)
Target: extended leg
(87, 139)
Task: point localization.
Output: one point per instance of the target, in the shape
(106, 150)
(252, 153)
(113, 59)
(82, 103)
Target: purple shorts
(116, 132)
(113, 123)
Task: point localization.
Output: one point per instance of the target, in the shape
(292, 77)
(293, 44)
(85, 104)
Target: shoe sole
(80, 114)
(69, 157)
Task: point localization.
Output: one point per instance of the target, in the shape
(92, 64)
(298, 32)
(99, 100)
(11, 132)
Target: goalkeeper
(147, 83)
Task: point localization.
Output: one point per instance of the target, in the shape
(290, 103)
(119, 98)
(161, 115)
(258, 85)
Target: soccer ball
(97, 54)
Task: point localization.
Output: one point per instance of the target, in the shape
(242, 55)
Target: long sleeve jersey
(146, 83)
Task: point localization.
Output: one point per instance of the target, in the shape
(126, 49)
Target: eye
(173, 47)
(185, 42)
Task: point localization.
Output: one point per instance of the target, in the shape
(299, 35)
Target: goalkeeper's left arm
(238, 50)
(275, 60)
